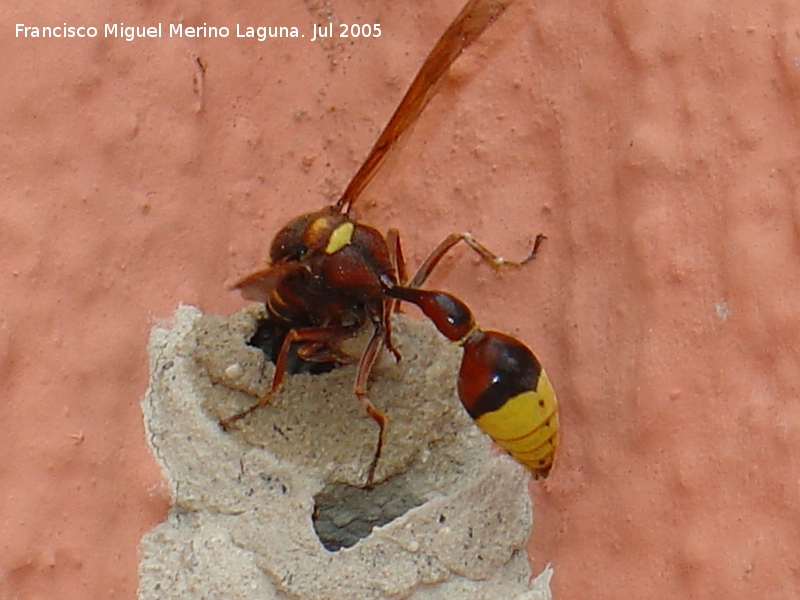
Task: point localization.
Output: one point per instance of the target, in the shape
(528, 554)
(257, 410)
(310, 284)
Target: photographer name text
(179, 30)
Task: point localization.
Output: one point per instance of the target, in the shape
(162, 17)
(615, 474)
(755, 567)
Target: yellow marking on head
(317, 226)
(526, 426)
(340, 237)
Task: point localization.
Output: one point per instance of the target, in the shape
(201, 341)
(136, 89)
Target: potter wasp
(330, 276)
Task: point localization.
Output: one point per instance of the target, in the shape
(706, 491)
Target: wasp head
(309, 234)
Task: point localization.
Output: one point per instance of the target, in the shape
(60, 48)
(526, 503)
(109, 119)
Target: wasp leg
(323, 353)
(399, 267)
(489, 257)
(360, 390)
(386, 320)
(396, 254)
(311, 335)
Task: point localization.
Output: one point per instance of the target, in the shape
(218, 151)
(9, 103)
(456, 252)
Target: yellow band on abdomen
(526, 425)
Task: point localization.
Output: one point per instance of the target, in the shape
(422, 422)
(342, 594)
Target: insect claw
(540, 237)
(226, 423)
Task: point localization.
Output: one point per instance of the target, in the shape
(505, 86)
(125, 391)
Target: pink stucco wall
(656, 144)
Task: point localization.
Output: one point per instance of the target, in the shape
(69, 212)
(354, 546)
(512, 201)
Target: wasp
(330, 276)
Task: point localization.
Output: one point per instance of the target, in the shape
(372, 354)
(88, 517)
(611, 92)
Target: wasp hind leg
(489, 257)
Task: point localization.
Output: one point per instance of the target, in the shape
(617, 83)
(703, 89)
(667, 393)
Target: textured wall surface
(656, 145)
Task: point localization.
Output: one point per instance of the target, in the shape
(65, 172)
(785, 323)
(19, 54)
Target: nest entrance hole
(345, 514)
(268, 338)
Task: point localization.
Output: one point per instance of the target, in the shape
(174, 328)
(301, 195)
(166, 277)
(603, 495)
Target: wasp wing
(471, 22)
(258, 286)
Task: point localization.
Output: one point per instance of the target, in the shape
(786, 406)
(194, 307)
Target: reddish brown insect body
(325, 280)
(330, 276)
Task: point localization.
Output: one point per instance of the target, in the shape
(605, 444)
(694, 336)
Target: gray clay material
(276, 507)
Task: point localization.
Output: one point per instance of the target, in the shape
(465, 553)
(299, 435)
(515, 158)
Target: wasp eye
(293, 253)
(288, 251)
(288, 244)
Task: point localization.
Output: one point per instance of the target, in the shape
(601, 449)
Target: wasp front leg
(313, 337)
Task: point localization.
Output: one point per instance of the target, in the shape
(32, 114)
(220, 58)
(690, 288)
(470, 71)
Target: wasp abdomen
(504, 388)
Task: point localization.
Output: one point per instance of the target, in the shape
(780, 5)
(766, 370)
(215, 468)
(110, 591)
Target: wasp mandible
(330, 276)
